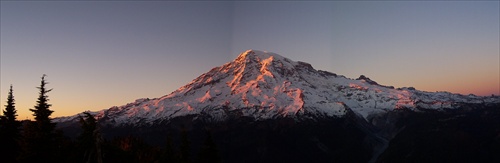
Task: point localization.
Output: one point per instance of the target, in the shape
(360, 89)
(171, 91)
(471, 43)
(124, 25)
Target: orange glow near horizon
(151, 49)
(483, 88)
(69, 104)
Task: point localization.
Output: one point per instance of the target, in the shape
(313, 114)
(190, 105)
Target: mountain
(271, 108)
(265, 85)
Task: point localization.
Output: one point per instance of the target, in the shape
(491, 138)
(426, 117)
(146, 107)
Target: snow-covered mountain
(265, 85)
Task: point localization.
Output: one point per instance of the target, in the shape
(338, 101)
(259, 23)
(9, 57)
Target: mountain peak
(258, 56)
(263, 85)
(370, 81)
(256, 53)
(257, 81)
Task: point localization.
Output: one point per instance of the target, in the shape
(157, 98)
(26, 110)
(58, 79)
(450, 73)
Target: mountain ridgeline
(263, 107)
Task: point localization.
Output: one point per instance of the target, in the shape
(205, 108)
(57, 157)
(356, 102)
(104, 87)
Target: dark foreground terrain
(471, 134)
(468, 134)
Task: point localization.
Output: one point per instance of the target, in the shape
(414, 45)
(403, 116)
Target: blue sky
(100, 54)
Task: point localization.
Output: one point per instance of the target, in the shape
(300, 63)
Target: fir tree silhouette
(90, 139)
(9, 131)
(39, 144)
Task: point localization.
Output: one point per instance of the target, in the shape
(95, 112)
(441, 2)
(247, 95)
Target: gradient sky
(101, 54)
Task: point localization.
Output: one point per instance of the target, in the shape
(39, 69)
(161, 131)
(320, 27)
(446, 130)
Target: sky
(99, 54)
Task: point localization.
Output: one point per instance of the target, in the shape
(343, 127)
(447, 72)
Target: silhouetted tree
(39, 143)
(90, 139)
(9, 131)
(10, 111)
(42, 112)
(208, 152)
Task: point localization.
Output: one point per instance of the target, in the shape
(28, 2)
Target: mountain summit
(263, 107)
(264, 85)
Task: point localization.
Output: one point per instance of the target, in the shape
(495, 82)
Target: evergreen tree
(90, 139)
(2, 136)
(2, 126)
(42, 112)
(9, 131)
(39, 137)
(10, 111)
(208, 152)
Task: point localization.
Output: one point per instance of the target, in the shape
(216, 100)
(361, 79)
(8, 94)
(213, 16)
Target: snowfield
(265, 85)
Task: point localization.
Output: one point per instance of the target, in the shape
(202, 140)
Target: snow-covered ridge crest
(255, 80)
(265, 85)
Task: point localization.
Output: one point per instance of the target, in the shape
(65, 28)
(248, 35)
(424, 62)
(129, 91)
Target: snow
(265, 85)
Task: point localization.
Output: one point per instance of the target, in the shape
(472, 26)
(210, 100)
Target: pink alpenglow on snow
(264, 85)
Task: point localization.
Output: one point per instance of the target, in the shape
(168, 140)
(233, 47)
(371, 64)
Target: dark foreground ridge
(263, 107)
(469, 134)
